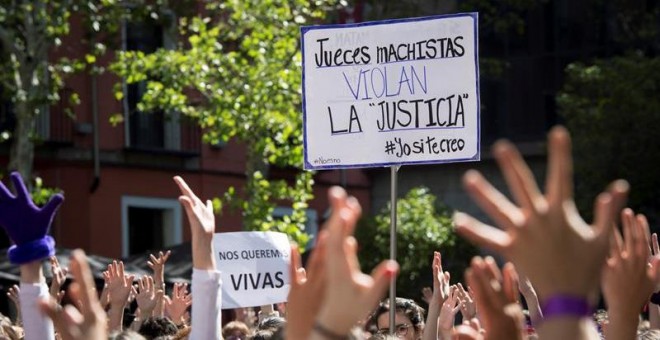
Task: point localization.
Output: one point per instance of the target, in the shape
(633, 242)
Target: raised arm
(157, 264)
(495, 294)
(307, 288)
(59, 277)
(544, 235)
(90, 321)
(27, 226)
(119, 288)
(206, 320)
(346, 284)
(628, 279)
(13, 295)
(439, 296)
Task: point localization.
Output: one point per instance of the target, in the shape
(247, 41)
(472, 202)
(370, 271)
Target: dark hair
(272, 323)
(126, 334)
(156, 326)
(264, 334)
(234, 326)
(406, 306)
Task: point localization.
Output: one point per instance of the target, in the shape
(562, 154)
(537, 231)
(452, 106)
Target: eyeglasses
(401, 330)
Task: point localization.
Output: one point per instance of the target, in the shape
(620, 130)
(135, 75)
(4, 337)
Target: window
(148, 130)
(311, 225)
(149, 224)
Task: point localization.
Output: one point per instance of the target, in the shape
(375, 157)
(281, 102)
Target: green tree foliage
(237, 71)
(611, 105)
(613, 111)
(424, 226)
(31, 80)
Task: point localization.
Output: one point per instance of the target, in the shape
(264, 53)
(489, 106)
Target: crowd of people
(557, 268)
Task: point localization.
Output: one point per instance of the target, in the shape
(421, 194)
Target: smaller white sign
(254, 266)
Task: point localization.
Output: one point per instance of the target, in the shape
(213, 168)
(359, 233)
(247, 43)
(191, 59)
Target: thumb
(381, 276)
(53, 204)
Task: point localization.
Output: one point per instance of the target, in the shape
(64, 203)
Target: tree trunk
(21, 155)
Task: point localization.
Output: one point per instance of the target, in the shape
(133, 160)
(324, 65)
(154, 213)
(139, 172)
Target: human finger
(559, 184)
(481, 234)
(83, 275)
(184, 188)
(607, 206)
(491, 200)
(293, 267)
(381, 275)
(19, 185)
(518, 176)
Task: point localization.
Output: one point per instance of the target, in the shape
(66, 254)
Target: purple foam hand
(26, 224)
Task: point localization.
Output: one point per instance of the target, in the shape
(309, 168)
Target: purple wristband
(562, 305)
(32, 251)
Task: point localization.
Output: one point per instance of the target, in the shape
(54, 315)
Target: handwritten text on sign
(391, 92)
(254, 266)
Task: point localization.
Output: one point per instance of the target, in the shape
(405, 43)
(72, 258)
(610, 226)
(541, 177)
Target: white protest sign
(391, 92)
(254, 266)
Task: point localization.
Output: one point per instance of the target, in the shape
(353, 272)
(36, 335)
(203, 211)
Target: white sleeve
(206, 317)
(37, 326)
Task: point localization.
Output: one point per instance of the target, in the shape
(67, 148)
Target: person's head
(408, 321)
(272, 323)
(235, 330)
(156, 326)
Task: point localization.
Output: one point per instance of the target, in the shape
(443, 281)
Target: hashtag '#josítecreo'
(389, 147)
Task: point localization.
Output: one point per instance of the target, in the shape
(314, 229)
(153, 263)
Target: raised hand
(176, 307)
(346, 284)
(427, 295)
(466, 302)
(202, 225)
(440, 280)
(105, 295)
(157, 264)
(304, 302)
(495, 295)
(119, 284)
(450, 308)
(59, 277)
(88, 323)
(26, 224)
(119, 289)
(628, 279)
(147, 296)
(200, 215)
(544, 234)
(13, 295)
(438, 297)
